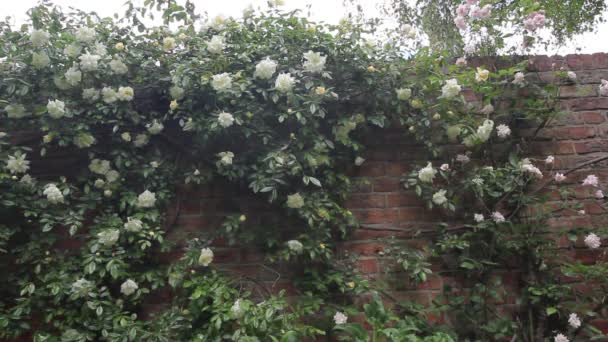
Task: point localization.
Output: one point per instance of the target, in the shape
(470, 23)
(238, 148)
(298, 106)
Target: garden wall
(386, 209)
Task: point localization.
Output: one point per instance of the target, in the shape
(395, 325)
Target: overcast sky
(321, 10)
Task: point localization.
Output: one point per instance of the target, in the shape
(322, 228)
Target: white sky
(329, 11)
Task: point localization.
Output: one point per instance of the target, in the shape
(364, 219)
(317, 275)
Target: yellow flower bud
(119, 46)
(320, 91)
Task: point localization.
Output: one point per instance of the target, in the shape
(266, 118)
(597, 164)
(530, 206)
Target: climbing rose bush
(278, 104)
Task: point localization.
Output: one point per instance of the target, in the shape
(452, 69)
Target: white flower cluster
(16, 111)
(108, 237)
(284, 83)
(133, 225)
(146, 199)
(295, 201)
(221, 82)
(450, 89)
(17, 163)
(53, 194)
(56, 109)
(265, 69)
(427, 173)
(314, 62)
(206, 257)
(295, 246)
(528, 167)
(481, 135)
(225, 119)
(128, 287)
(604, 88)
(226, 158)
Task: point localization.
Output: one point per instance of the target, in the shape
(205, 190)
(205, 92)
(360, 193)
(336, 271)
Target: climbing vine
(109, 122)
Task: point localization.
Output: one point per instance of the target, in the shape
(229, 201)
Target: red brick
(386, 185)
(367, 265)
(402, 199)
(359, 201)
(377, 215)
(371, 169)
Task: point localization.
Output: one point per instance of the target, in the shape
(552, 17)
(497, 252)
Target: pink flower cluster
(470, 8)
(535, 20)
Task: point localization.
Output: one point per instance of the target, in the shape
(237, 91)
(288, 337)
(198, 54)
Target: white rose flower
(478, 217)
(560, 338)
(527, 166)
(571, 76)
(17, 163)
(109, 95)
(226, 158)
(85, 34)
(84, 140)
(73, 76)
(216, 45)
(604, 88)
(155, 127)
(99, 183)
(90, 94)
(100, 49)
(16, 111)
(426, 174)
(81, 287)
(168, 43)
(108, 237)
(99, 166)
(497, 217)
(40, 60)
(107, 193)
(112, 176)
(599, 194)
(118, 67)
(591, 180)
(133, 225)
(439, 197)
(177, 93)
(27, 180)
(265, 69)
(237, 309)
(574, 321)
(146, 199)
(128, 287)
(487, 109)
(519, 78)
(450, 89)
(225, 119)
(314, 63)
(206, 257)
(559, 177)
(295, 246)
(56, 108)
(52, 193)
(72, 50)
(126, 136)
(284, 82)
(218, 22)
(141, 140)
(549, 160)
(404, 94)
(295, 201)
(89, 62)
(340, 318)
(593, 241)
(444, 167)
(39, 38)
(359, 161)
(503, 131)
(482, 75)
(463, 158)
(125, 93)
(221, 82)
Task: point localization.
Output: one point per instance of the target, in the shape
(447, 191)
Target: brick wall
(386, 209)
